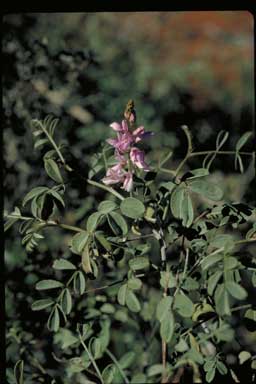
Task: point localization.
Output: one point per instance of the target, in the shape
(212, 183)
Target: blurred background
(193, 68)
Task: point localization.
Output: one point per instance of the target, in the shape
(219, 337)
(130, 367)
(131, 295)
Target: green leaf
(40, 142)
(167, 326)
(236, 290)
(167, 279)
(190, 284)
(163, 308)
(230, 263)
(127, 359)
(156, 369)
(53, 322)
(33, 193)
(210, 375)
(103, 241)
(176, 201)
(79, 241)
(93, 221)
(121, 296)
(86, 263)
(223, 241)
(213, 281)
(250, 314)
(79, 283)
(134, 283)
(202, 309)
(41, 304)
(222, 301)
(63, 264)
(206, 189)
(132, 302)
(187, 211)
(199, 172)
(48, 284)
(210, 260)
(120, 222)
(65, 338)
(183, 305)
(181, 205)
(66, 301)
(132, 208)
(221, 368)
(138, 378)
(140, 262)
(57, 196)
(52, 170)
(241, 142)
(107, 206)
(182, 346)
(108, 374)
(244, 356)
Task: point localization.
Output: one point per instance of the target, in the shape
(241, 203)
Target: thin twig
(91, 358)
(118, 366)
(106, 188)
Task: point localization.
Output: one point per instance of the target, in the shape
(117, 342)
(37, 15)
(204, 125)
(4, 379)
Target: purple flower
(137, 157)
(123, 127)
(123, 141)
(128, 182)
(140, 134)
(114, 175)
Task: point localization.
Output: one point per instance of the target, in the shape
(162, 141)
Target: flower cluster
(127, 154)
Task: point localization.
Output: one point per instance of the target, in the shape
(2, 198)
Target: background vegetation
(193, 68)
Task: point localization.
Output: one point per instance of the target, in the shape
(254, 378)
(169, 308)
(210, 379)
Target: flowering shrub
(154, 285)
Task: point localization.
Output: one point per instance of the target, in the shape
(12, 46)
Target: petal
(116, 126)
(125, 126)
(112, 142)
(139, 131)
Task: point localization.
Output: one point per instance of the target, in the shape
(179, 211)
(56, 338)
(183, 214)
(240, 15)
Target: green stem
(244, 241)
(91, 358)
(189, 149)
(201, 153)
(118, 366)
(106, 188)
(52, 142)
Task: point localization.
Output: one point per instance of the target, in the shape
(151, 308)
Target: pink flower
(140, 134)
(123, 141)
(128, 182)
(137, 157)
(123, 127)
(114, 175)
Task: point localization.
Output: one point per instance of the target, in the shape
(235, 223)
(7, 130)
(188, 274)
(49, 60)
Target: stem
(106, 188)
(165, 170)
(201, 153)
(189, 150)
(91, 358)
(52, 142)
(118, 366)
(244, 241)
(164, 267)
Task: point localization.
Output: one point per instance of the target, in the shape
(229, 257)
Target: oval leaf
(107, 206)
(132, 208)
(206, 189)
(63, 264)
(48, 284)
(52, 170)
(139, 263)
(41, 304)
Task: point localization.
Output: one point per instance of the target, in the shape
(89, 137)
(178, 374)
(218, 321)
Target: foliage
(151, 287)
